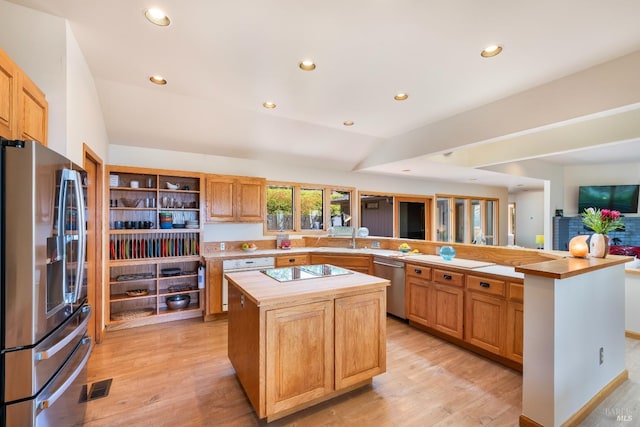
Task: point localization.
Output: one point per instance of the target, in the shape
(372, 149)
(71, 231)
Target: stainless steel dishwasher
(394, 272)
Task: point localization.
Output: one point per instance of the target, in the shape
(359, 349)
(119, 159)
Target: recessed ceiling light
(307, 65)
(157, 16)
(268, 104)
(401, 96)
(159, 80)
(491, 51)
(348, 123)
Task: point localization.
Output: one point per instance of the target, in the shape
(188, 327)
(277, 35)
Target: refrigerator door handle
(51, 398)
(68, 176)
(51, 351)
(82, 235)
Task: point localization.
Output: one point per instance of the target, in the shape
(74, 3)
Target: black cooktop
(288, 274)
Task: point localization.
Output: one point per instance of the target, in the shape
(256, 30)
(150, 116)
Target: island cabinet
(435, 298)
(235, 198)
(24, 109)
(359, 263)
(307, 341)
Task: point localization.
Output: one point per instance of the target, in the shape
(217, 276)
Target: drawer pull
(447, 277)
(417, 271)
(292, 260)
(485, 284)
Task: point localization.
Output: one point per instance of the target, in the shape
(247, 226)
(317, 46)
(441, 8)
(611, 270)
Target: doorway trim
(94, 242)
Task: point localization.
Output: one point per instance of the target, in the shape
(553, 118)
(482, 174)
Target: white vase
(599, 245)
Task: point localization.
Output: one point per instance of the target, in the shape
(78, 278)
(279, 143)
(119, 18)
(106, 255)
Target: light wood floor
(178, 374)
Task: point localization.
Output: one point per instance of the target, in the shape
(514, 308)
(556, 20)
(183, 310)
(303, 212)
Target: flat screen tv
(623, 198)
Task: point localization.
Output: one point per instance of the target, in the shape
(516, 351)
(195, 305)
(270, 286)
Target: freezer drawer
(43, 361)
(58, 404)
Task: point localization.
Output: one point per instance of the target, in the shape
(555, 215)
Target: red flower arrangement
(601, 221)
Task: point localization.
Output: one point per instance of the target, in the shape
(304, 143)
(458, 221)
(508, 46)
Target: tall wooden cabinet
(235, 198)
(155, 234)
(24, 109)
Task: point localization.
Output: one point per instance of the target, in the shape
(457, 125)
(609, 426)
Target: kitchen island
(302, 335)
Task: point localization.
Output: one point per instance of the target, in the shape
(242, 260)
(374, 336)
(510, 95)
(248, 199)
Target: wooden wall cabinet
(24, 110)
(235, 198)
(149, 263)
(359, 263)
(435, 299)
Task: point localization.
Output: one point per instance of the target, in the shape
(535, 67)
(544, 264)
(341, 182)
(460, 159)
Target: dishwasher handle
(400, 265)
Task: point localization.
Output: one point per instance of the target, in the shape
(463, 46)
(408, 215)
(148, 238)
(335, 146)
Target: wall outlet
(601, 355)
(437, 250)
(375, 245)
(222, 246)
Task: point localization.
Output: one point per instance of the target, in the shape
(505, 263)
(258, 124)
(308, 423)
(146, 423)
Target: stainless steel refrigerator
(43, 304)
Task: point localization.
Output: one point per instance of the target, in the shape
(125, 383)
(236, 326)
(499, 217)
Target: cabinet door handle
(485, 284)
(292, 260)
(417, 271)
(447, 277)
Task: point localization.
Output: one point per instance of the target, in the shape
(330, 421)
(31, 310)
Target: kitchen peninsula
(302, 335)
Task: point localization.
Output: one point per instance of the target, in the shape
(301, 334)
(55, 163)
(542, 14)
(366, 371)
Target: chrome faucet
(353, 238)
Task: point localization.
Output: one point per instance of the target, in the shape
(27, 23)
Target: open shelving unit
(150, 261)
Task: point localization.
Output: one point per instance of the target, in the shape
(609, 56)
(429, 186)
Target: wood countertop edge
(569, 267)
(303, 290)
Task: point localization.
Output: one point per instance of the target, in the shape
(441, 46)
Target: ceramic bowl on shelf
(130, 203)
(178, 302)
(171, 186)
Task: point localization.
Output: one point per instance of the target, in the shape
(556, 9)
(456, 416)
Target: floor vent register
(97, 390)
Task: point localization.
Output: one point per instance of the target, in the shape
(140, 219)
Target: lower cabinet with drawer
(515, 322)
(435, 299)
(289, 260)
(359, 263)
(478, 311)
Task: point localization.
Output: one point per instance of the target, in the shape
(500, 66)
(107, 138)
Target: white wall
(529, 217)
(603, 174)
(154, 158)
(85, 123)
(44, 47)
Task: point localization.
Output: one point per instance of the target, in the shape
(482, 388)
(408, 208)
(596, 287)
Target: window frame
(297, 187)
(468, 218)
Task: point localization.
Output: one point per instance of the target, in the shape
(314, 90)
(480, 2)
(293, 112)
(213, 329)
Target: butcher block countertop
(568, 267)
(263, 290)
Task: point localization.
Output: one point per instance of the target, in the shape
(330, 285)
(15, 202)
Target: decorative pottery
(578, 246)
(447, 253)
(599, 245)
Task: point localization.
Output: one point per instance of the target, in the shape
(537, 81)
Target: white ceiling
(223, 59)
